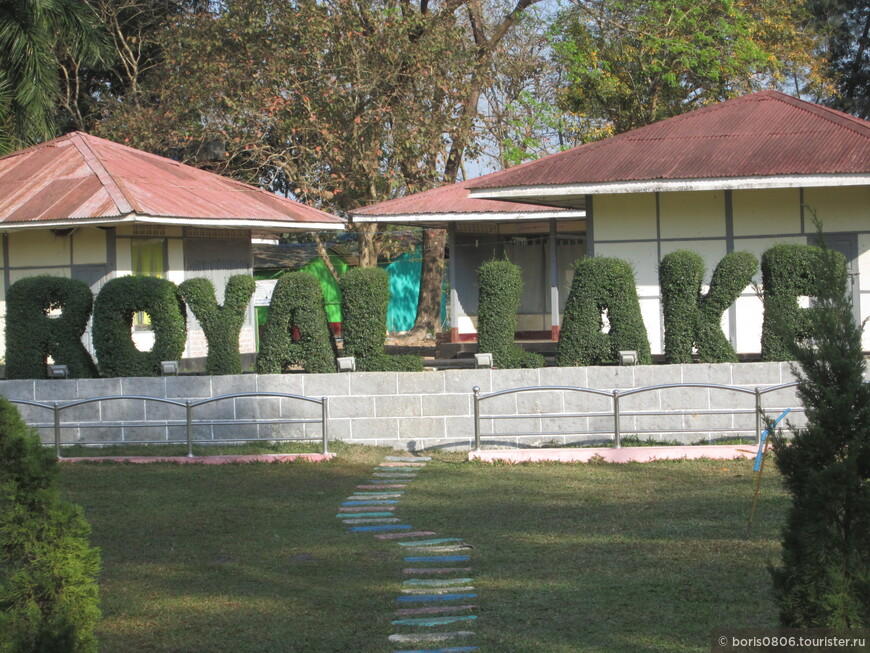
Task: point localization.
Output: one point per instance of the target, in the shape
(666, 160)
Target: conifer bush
(32, 336)
(365, 297)
(602, 285)
(297, 301)
(693, 320)
(118, 301)
(220, 324)
(49, 598)
(789, 271)
(500, 286)
(823, 579)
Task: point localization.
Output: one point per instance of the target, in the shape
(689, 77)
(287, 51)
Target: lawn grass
(580, 557)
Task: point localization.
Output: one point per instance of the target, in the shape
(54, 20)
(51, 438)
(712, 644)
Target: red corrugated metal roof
(82, 177)
(452, 198)
(765, 134)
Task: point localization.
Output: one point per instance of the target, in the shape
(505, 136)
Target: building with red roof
(744, 174)
(87, 208)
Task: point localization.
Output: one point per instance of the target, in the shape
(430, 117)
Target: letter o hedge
(119, 300)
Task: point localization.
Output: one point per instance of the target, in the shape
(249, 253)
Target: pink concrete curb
(611, 455)
(207, 460)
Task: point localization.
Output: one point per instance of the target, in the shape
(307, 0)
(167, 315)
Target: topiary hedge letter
(49, 597)
(365, 295)
(296, 301)
(787, 272)
(118, 301)
(602, 285)
(220, 324)
(693, 320)
(32, 336)
(500, 286)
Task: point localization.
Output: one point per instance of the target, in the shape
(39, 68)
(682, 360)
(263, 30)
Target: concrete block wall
(418, 410)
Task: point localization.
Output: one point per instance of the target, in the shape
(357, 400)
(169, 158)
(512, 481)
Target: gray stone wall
(419, 410)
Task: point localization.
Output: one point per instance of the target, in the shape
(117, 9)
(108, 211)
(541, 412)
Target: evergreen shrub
(500, 286)
(823, 580)
(116, 304)
(220, 324)
(692, 320)
(32, 336)
(297, 301)
(602, 285)
(49, 598)
(789, 271)
(365, 296)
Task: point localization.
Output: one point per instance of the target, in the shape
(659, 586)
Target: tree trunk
(428, 318)
(365, 234)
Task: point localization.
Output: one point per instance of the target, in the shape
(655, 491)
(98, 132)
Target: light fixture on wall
(58, 372)
(346, 363)
(169, 368)
(483, 360)
(628, 357)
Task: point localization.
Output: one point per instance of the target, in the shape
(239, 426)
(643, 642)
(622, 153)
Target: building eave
(540, 193)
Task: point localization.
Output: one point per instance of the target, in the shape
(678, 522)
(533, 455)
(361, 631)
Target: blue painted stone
(384, 527)
(440, 540)
(436, 582)
(355, 515)
(452, 649)
(408, 459)
(437, 558)
(419, 598)
(433, 621)
(379, 502)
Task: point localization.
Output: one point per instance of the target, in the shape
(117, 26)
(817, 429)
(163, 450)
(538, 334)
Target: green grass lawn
(634, 557)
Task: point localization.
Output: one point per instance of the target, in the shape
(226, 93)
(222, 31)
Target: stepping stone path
(436, 601)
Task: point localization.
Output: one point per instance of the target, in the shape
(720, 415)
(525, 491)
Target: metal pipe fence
(616, 412)
(188, 422)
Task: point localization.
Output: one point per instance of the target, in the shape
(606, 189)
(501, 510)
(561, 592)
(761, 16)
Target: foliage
(824, 577)
(220, 324)
(365, 295)
(693, 320)
(790, 271)
(32, 32)
(297, 301)
(32, 335)
(630, 63)
(500, 286)
(49, 599)
(116, 304)
(845, 28)
(602, 286)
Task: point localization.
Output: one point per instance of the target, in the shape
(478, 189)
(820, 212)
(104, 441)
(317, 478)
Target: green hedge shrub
(365, 295)
(118, 301)
(49, 598)
(789, 271)
(220, 324)
(500, 285)
(693, 320)
(602, 285)
(296, 301)
(32, 336)
(823, 580)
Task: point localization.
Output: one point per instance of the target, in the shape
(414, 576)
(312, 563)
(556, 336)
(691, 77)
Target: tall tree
(845, 26)
(32, 32)
(633, 62)
(340, 103)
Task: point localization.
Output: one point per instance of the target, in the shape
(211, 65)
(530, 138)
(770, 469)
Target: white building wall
(643, 228)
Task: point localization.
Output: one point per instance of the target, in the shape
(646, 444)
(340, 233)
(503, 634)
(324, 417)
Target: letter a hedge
(602, 285)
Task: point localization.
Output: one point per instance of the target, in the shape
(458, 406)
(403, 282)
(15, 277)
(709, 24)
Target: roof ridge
(848, 121)
(92, 160)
